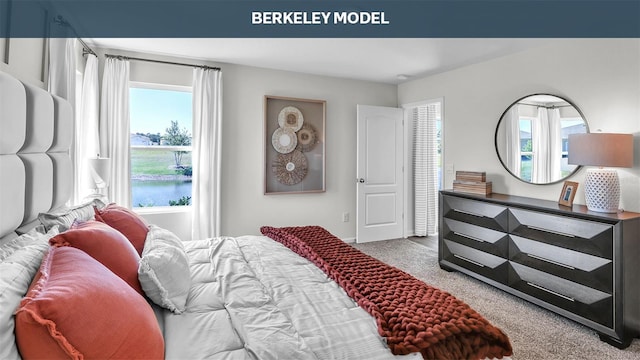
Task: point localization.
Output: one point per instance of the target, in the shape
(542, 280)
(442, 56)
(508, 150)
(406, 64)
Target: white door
(380, 175)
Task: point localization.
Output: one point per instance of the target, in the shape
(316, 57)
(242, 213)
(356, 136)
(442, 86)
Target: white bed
(225, 298)
(250, 297)
(262, 299)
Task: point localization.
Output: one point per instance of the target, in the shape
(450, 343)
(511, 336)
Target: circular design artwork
(307, 138)
(290, 117)
(291, 168)
(284, 140)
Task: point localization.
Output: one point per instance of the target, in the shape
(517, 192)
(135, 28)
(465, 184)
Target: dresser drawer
(581, 300)
(475, 212)
(487, 240)
(588, 270)
(585, 236)
(575, 262)
(479, 262)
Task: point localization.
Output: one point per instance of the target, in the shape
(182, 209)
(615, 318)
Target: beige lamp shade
(601, 186)
(601, 149)
(99, 172)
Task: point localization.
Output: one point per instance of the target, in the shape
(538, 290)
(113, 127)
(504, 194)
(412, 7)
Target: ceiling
(387, 60)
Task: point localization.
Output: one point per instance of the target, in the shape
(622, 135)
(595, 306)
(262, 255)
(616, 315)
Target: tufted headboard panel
(36, 130)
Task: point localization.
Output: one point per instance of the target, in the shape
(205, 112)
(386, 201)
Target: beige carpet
(535, 333)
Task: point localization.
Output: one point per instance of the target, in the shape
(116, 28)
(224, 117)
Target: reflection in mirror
(532, 136)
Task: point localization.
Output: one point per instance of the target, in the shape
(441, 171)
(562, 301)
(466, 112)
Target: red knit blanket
(411, 315)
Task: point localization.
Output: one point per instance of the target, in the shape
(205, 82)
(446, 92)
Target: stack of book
(474, 182)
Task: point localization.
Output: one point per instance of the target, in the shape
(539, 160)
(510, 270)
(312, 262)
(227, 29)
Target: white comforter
(252, 298)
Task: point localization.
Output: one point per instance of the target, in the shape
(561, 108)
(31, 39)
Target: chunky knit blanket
(411, 315)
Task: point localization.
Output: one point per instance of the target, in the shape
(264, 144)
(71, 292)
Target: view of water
(158, 192)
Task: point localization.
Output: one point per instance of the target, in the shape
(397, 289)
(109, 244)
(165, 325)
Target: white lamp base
(602, 190)
(96, 195)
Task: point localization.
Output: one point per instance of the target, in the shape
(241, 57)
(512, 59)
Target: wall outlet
(345, 217)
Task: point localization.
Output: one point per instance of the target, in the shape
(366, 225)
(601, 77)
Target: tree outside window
(175, 136)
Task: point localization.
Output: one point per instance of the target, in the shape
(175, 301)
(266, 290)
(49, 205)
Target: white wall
(244, 89)
(244, 206)
(600, 76)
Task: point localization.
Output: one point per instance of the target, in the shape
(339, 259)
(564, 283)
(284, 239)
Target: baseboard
(350, 240)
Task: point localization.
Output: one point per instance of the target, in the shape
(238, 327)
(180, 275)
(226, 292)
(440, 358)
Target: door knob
(361, 181)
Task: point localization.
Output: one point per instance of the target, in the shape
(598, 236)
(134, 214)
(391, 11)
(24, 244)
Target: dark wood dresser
(580, 264)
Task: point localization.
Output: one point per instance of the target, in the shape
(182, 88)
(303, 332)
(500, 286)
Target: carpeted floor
(535, 333)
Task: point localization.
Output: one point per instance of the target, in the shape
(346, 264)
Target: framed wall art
(294, 145)
(568, 193)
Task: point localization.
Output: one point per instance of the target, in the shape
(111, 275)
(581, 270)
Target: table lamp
(99, 174)
(602, 186)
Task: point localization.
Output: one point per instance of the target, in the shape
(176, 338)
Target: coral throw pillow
(77, 308)
(127, 222)
(105, 244)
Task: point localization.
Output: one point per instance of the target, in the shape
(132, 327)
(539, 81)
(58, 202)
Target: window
(161, 134)
(568, 126)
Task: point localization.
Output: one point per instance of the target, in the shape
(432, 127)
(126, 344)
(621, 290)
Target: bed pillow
(130, 224)
(65, 217)
(19, 262)
(77, 308)
(105, 244)
(164, 270)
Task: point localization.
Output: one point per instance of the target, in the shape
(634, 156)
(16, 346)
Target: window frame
(163, 209)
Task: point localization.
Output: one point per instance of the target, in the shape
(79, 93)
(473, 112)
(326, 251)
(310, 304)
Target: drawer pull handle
(468, 213)
(550, 231)
(551, 261)
(551, 291)
(468, 260)
(468, 237)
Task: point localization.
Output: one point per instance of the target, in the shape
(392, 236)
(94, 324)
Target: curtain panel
(62, 68)
(62, 82)
(425, 164)
(512, 153)
(555, 144)
(206, 152)
(114, 128)
(86, 135)
(547, 146)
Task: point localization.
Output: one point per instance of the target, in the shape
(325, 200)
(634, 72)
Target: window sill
(162, 210)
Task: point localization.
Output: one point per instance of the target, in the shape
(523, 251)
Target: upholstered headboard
(36, 174)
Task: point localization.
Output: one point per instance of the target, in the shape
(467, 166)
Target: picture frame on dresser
(568, 193)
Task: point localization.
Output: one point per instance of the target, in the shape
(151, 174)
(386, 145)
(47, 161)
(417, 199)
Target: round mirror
(532, 137)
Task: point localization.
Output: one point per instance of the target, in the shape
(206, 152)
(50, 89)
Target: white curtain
(555, 144)
(114, 128)
(206, 154)
(540, 146)
(86, 135)
(62, 68)
(547, 146)
(62, 82)
(425, 169)
(513, 155)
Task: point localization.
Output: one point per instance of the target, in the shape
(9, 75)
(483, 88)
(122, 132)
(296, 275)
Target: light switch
(448, 168)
